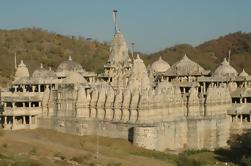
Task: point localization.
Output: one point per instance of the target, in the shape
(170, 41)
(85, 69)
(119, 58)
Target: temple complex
(162, 107)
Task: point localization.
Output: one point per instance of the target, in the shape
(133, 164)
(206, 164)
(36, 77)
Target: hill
(37, 46)
(211, 53)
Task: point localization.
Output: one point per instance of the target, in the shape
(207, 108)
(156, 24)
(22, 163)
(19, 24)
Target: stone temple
(162, 107)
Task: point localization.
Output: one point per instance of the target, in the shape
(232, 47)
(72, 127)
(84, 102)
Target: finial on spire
(114, 16)
(138, 56)
(70, 59)
(229, 55)
(132, 50)
(41, 65)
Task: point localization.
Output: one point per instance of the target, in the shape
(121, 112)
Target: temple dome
(225, 69)
(22, 71)
(69, 65)
(74, 78)
(160, 66)
(243, 73)
(44, 73)
(186, 67)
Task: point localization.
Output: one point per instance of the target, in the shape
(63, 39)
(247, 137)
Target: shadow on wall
(239, 151)
(130, 134)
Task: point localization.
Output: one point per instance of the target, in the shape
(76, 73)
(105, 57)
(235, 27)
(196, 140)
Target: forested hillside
(37, 46)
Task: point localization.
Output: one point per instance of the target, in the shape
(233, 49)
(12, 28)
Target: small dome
(186, 67)
(69, 65)
(225, 69)
(22, 71)
(74, 78)
(243, 73)
(160, 65)
(44, 73)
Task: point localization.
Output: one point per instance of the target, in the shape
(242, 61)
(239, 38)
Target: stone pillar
(29, 119)
(29, 104)
(5, 105)
(13, 120)
(241, 118)
(23, 104)
(39, 88)
(33, 88)
(5, 120)
(204, 88)
(24, 89)
(24, 120)
(15, 88)
(39, 104)
(13, 105)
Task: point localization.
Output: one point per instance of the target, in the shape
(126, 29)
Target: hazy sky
(151, 24)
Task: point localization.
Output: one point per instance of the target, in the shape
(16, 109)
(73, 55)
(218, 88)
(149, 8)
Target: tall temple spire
(114, 16)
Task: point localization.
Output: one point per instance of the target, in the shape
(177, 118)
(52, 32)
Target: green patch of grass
(33, 151)
(184, 160)
(156, 155)
(112, 163)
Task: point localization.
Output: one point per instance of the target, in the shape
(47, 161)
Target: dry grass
(47, 147)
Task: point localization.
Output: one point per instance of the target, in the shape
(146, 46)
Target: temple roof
(43, 73)
(243, 73)
(186, 67)
(69, 65)
(21, 71)
(160, 66)
(74, 78)
(225, 69)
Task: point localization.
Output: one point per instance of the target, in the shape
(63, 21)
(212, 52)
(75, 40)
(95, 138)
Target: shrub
(33, 151)
(60, 155)
(80, 159)
(245, 161)
(5, 145)
(183, 160)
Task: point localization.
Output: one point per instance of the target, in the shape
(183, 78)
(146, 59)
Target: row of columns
(14, 120)
(33, 87)
(240, 118)
(30, 105)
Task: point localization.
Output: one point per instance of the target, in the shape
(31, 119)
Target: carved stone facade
(182, 106)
